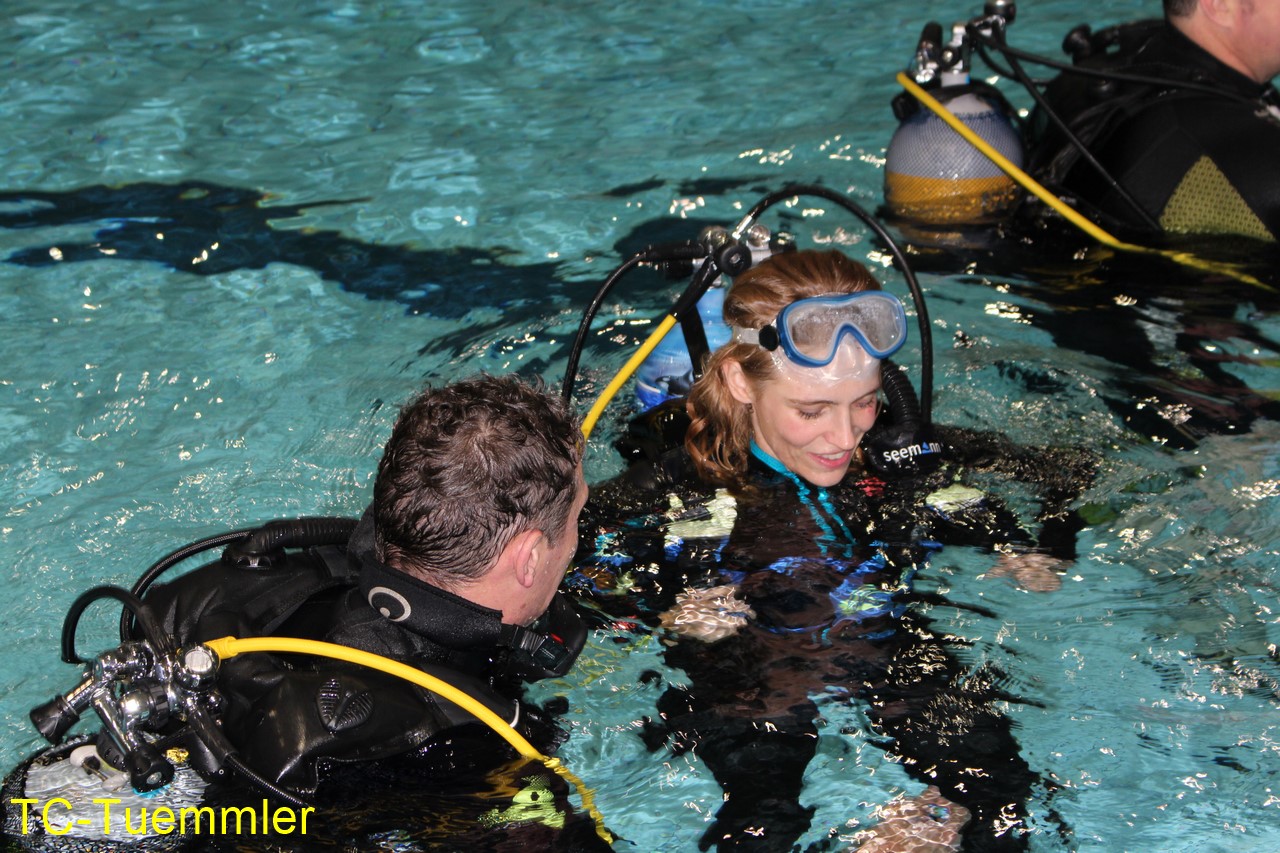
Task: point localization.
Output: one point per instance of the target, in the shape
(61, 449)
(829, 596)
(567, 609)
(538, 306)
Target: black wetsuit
(381, 759)
(1197, 162)
(827, 573)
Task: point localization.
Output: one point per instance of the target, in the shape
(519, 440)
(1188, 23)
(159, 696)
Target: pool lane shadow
(206, 229)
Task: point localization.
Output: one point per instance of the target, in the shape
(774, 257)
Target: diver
(1159, 128)
(454, 570)
(1181, 117)
(793, 578)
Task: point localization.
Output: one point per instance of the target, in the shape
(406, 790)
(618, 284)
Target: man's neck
(1217, 38)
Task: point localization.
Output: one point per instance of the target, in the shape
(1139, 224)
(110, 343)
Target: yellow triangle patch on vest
(1205, 202)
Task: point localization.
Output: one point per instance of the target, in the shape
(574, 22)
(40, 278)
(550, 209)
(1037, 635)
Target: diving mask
(810, 331)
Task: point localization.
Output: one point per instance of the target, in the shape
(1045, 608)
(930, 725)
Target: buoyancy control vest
(1190, 139)
(292, 716)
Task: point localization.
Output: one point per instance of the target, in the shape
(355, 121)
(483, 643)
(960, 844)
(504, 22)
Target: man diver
(454, 570)
(1182, 117)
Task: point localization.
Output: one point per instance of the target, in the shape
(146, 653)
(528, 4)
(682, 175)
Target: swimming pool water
(234, 237)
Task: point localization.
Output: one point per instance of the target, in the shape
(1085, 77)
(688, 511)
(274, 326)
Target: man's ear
(1223, 13)
(521, 556)
(737, 383)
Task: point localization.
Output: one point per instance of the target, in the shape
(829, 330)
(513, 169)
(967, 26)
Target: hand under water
(1033, 572)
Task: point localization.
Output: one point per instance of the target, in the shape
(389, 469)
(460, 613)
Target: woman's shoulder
(647, 480)
(1068, 468)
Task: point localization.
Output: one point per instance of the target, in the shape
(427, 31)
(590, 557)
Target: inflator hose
(899, 397)
(289, 533)
(227, 647)
(901, 443)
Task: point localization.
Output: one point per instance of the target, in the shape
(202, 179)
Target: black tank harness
(283, 720)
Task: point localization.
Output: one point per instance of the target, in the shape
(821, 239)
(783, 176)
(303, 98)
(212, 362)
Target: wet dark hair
(1179, 8)
(467, 468)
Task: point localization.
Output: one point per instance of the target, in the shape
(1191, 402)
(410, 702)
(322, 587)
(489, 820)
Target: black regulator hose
(270, 788)
(172, 559)
(255, 542)
(159, 640)
(998, 43)
(584, 327)
(650, 254)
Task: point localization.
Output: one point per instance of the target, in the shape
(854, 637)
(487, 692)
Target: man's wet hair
(469, 466)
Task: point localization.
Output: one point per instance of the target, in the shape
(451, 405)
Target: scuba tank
(932, 175)
(668, 372)
(181, 710)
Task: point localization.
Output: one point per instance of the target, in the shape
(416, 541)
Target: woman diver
(799, 584)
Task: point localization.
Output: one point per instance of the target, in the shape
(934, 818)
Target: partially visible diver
(779, 568)
(454, 569)
(1180, 113)
(1165, 133)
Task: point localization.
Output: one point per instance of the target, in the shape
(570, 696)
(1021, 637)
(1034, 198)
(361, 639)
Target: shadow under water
(207, 229)
(1178, 336)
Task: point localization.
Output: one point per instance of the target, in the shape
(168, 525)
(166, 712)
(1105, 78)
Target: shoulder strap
(331, 570)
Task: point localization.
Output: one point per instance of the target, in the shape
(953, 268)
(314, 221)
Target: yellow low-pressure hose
(1032, 186)
(228, 647)
(589, 422)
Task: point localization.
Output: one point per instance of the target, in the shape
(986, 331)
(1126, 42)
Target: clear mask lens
(812, 330)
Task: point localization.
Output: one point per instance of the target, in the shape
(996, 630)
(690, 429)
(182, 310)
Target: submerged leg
(947, 732)
(760, 766)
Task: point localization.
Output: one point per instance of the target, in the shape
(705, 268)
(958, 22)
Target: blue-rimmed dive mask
(810, 332)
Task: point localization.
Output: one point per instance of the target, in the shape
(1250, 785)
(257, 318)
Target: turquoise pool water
(233, 238)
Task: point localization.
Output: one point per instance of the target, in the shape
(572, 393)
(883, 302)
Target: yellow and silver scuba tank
(933, 176)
